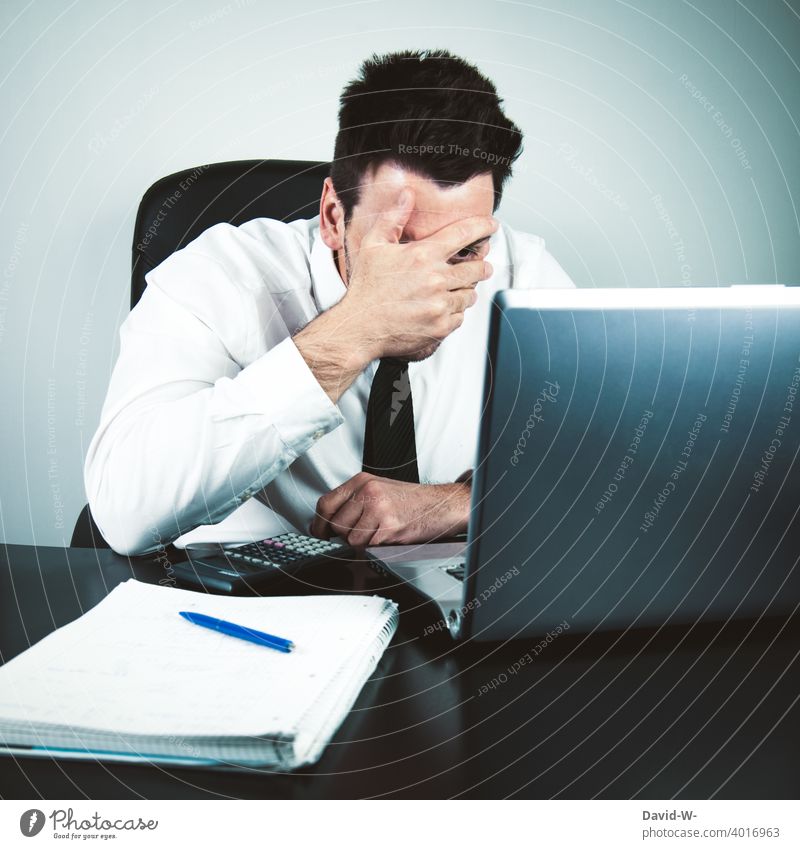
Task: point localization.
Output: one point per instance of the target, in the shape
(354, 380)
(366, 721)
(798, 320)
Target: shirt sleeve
(188, 431)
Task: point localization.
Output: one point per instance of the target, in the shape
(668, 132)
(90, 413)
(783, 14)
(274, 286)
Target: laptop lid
(638, 460)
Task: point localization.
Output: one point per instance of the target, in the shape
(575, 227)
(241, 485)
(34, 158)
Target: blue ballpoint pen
(239, 631)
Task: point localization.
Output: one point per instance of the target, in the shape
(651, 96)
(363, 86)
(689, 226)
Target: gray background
(661, 148)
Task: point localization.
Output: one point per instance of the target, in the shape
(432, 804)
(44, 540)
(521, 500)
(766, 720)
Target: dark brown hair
(430, 112)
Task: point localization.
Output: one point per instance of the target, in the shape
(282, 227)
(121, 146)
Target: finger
(319, 527)
(460, 234)
(347, 518)
(460, 300)
(363, 536)
(468, 273)
(388, 226)
(329, 503)
(456, 320)
(463, 299)
(367, 527)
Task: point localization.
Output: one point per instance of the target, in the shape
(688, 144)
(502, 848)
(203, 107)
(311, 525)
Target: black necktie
(390, 449)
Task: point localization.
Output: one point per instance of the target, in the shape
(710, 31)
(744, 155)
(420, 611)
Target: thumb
(389, 225)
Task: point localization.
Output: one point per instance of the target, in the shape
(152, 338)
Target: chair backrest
(179, 207)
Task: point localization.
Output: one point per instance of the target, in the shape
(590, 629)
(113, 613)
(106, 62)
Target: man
(332, 369)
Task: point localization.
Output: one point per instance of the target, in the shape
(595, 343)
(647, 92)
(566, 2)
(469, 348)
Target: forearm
(161, 473)
(173, 468)
(169, 456)
(336, 349)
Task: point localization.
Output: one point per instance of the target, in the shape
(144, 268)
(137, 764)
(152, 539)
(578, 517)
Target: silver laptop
(637, 466)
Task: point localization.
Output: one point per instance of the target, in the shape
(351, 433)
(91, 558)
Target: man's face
(434, 208)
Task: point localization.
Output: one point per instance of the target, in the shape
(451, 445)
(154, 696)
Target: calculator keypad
(290, 549)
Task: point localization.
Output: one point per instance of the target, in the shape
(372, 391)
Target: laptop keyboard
(456, 570)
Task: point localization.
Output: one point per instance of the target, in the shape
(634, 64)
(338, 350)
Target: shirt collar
(326, 281)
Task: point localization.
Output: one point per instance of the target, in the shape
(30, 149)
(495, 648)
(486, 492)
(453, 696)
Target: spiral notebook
(133, 680)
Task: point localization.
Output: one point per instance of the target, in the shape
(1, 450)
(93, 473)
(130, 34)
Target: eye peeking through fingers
(463, 255)
(470, 252)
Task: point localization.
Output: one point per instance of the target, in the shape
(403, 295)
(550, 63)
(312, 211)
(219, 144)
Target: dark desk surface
(691, 713)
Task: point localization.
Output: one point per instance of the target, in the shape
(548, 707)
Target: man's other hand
(370, 510)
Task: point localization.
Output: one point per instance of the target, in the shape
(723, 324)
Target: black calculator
(255, 566)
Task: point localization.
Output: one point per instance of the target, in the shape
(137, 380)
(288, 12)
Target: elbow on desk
(125, 525)
(123, 532)
(125, 505)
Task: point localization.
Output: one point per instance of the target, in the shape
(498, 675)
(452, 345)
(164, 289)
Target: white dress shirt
(210, 402)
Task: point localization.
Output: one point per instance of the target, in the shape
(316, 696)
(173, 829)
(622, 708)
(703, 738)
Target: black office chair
(179, 207)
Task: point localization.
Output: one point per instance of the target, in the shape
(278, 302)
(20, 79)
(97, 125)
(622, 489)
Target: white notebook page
(132, 665)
